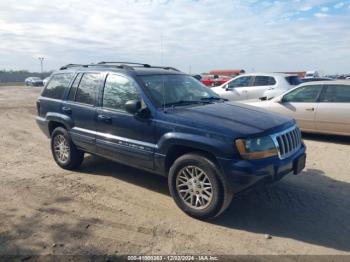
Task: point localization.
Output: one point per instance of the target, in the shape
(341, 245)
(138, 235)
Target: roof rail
(124, 63)
(92, 65)
(140, 64)
(72, 65)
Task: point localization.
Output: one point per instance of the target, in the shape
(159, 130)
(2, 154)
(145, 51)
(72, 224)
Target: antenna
(161, 50)
(163, 87)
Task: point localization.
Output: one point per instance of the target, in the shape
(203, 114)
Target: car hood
(230, 118)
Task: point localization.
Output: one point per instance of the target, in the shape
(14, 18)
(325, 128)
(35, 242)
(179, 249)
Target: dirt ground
(107, 208)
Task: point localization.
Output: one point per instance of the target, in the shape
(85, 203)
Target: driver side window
(304, 94)
(240, 82)
(117, 91)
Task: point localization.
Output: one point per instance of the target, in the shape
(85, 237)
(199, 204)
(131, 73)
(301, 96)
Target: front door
(301, 104)
(120, 135)
(236, 90)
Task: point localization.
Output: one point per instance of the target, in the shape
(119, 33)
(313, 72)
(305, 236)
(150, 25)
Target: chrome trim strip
(120, 140)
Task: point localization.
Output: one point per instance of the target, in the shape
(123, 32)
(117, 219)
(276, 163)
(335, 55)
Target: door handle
(106, 119)
(310, 109)
(67, 110)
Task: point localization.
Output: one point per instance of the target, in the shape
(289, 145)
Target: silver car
(318, 107)
(256, 85)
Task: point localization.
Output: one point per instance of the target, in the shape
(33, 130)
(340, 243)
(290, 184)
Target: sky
(193, 35)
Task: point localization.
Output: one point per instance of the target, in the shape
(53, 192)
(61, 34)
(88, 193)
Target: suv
(164, 121)
(256, 85)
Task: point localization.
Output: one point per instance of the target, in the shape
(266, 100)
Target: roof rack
(123, 65)
(93, 65)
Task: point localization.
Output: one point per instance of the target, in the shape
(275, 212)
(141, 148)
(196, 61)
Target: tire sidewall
(209, 168)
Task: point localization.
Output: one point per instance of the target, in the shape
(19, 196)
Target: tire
(193, 196)
(64, 152)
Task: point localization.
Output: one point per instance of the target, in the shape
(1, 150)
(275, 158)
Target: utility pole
(41, 59)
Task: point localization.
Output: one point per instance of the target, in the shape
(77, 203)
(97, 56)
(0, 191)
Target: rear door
(333, 112)
(237, 89)
(301, 104)
(81, 107)
(259, 86)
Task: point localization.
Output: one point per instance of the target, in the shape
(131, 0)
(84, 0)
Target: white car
(318, 107)
(256, 85)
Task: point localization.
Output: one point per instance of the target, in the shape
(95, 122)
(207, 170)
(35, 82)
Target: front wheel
(64, 151)
(196, 188)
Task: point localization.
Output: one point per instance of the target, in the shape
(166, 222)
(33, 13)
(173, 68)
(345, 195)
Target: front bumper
(244, 174)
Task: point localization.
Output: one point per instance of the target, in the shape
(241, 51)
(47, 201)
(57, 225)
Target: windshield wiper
(213, 98)
(183, 103)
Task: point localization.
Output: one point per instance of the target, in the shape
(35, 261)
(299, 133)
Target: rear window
(57, 85)
(337, 94)
(293, 80)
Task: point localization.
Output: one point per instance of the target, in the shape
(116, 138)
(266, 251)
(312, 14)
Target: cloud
(206, 34)
(321, 15)
(339, 5)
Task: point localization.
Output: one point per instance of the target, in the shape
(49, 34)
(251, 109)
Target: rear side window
(337, 94)
(57, 85)
(264, 81)
(293, 80)
(74, 87)
(304, 94)
(118, 90)
(86, 92)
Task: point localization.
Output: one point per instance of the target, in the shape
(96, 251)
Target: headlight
(256, 148)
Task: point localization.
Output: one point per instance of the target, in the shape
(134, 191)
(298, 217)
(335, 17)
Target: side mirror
(279, 100)
(133, 106)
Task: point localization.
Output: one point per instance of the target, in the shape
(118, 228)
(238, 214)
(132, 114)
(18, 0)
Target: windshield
(35, 78)
(170, 90)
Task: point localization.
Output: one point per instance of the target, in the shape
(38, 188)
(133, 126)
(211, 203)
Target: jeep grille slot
(288, 142)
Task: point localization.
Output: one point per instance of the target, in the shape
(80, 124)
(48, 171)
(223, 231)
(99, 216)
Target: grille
(288, 141)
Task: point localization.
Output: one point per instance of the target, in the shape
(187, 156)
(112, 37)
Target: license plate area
(299, 164)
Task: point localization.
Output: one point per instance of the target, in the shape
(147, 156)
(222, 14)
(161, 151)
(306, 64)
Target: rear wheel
(195, 185)
(64, 151)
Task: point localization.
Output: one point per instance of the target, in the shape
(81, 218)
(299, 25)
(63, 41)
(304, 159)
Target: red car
(214, 80)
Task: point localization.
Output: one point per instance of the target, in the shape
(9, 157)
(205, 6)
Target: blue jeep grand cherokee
(166, 122)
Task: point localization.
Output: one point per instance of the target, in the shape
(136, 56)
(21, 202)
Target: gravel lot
(108, 208)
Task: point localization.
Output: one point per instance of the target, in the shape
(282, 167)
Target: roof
(125, 67)
(327, 82)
